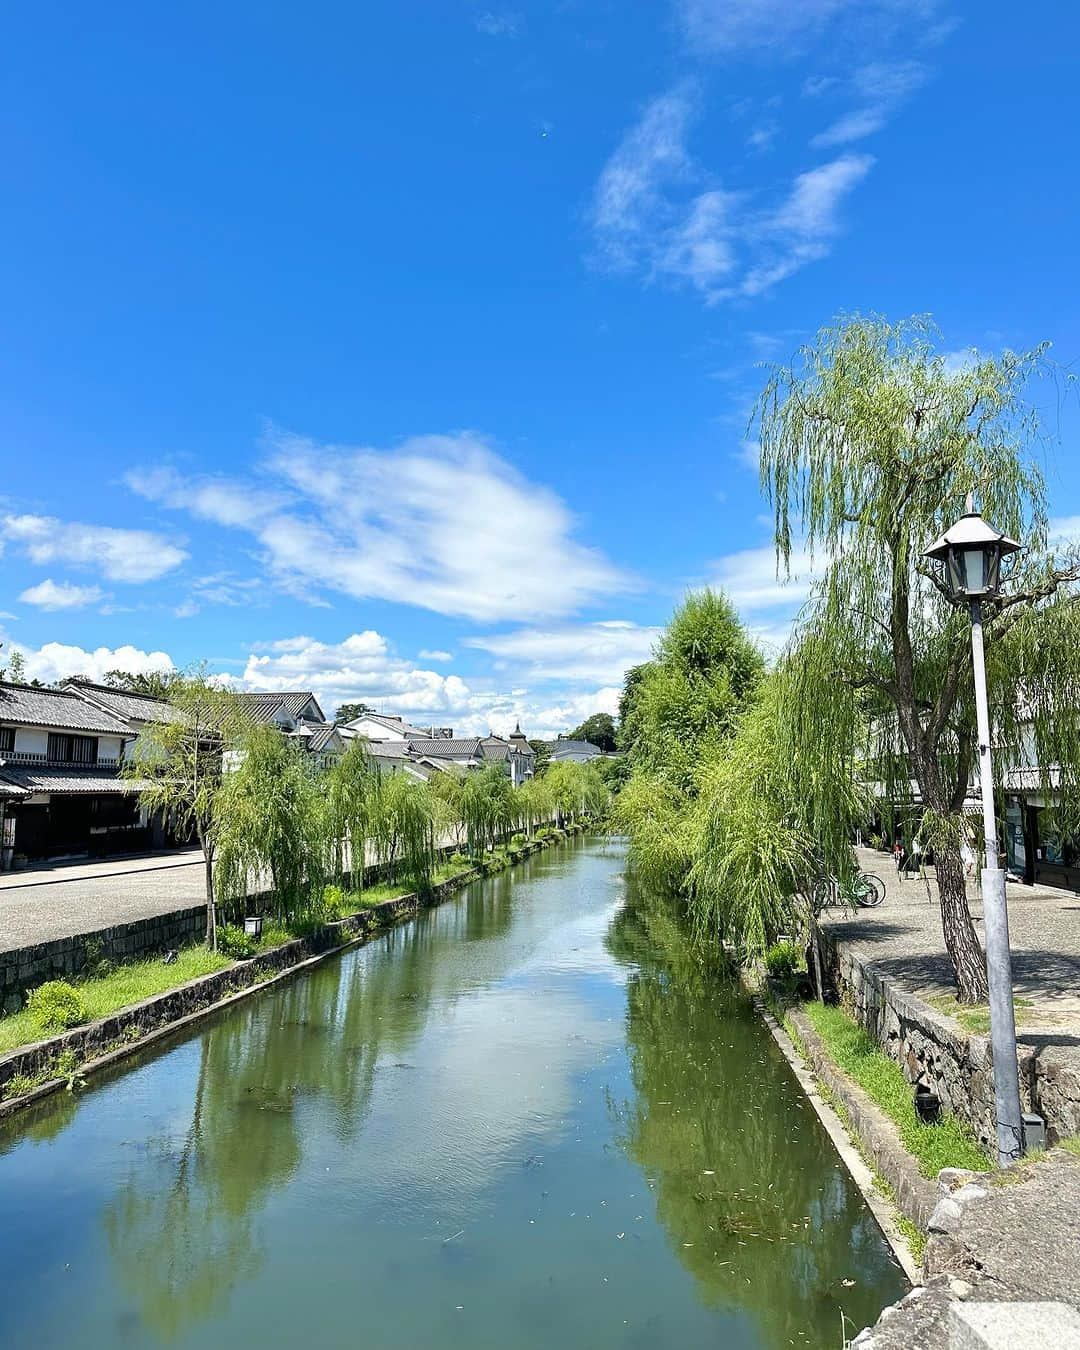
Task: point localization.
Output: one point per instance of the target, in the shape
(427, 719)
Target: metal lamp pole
(971, 554)
(1010, 1131)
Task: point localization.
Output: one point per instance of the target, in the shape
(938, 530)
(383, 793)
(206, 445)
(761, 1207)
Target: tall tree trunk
(211, 908)
(961, 941)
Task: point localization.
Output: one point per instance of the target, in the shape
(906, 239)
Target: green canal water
(530, 1118)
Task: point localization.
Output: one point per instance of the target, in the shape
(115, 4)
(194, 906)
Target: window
(7, 738)
(65, 749)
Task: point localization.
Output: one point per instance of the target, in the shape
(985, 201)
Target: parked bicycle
(866, 891)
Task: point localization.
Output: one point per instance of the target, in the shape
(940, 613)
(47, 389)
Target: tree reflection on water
(754, 1199)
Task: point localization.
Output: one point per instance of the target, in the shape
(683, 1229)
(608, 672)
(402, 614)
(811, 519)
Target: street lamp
(971, 554)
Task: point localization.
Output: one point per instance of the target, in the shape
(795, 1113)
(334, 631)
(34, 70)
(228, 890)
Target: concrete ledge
(916, 1195)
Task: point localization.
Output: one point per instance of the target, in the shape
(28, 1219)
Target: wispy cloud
(388, 524)
(781, 28)
(51, 595)
(119, 555)
(655, 212)
(880, 88)
(499, 23)
(599, 653)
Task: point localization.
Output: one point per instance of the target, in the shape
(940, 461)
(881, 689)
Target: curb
(883, 1210)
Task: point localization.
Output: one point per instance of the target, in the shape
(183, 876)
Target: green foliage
(870, 444)
(576, 791)
(19, 1084)
(178, 764)
(949, 1143)
(154, 683)
(351, 801)
(349, 712)
(55, 1006)
(405, 828)
(783, 960)
(542, 751)
(517, 841)
(767, 822)
(676, 714)
(489, 808)
(97, 964)
(271, 822)
(235, 943)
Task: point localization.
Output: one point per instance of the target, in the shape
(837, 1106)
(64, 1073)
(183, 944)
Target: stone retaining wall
(957, 1064)
(25, 968)
(123, 1031)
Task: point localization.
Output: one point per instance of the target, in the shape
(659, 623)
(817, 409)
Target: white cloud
(365, 667)
(630, 192)
(652, 214)
(440, 522)
(56, 661)
(881, 87)
(802, 229)
(1063, 531)
(753, 582)
(585, 653)
(501, 23)
(120, 555)
(435, 655)
(781, 27)
(49, 594)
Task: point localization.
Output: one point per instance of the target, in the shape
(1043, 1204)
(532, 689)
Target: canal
(529, 1118)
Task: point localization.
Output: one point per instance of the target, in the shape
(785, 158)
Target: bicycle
(867, 891)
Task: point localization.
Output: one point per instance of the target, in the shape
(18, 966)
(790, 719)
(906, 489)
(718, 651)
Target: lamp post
(971, 554)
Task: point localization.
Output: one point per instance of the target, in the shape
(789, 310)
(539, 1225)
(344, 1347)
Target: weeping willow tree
(676, 714)
(177, 761)
(536, 803)
(870, 442)
(351, 802)
(270, 824)
(447, 790)
(768, 822)
(488, 808)
(405, 828)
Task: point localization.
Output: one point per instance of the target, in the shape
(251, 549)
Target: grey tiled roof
(123, 703)
(495, 748)
(438, 748)
(23, 705)
(563, 747)
(262, 707)
(42, 778)
(395, 724)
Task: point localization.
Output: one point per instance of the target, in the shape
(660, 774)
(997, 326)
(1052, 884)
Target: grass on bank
(949, 1143)
(976, 1017)
(123, 986)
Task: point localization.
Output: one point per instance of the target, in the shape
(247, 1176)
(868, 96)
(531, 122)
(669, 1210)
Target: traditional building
(61, 794)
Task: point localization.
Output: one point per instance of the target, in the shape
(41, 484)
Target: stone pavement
(903, 939)
(1009, 1239)
(47, 903)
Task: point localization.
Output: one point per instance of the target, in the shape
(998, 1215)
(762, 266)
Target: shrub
(55, 1006)
(459, 859)
(783, 960)
(517, 841)
(98, 965)
(235, 943)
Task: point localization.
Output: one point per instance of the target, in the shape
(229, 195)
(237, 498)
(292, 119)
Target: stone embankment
(49, 1064)
(1000, 1268)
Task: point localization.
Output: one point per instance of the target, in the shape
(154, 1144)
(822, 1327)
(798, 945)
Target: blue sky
(404, 352)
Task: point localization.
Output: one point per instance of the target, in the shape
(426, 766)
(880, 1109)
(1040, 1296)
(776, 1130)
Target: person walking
(914, 859)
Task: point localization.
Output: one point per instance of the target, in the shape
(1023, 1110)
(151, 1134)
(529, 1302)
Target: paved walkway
(55, 902)
(903, 938)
